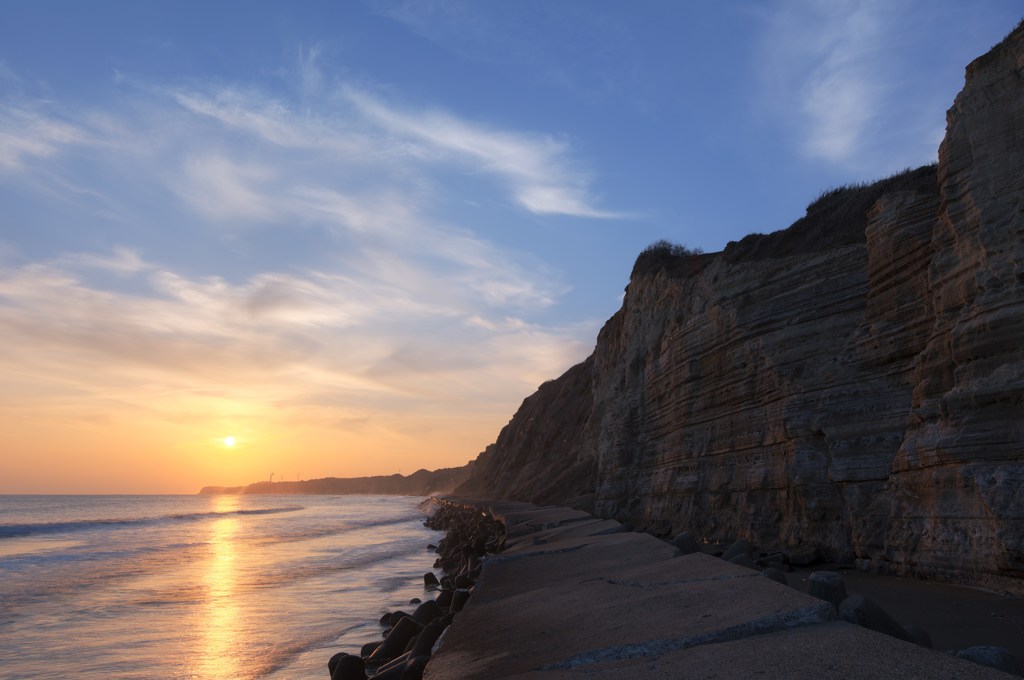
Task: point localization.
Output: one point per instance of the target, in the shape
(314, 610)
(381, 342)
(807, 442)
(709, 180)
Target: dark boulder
(864, 612)
(994, 657)
(828, 586)
(347, 667)
(685, 543)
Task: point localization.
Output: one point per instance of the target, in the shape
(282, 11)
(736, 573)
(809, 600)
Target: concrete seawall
(575, 596)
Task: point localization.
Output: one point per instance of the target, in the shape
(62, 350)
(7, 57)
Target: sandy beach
(954, 616)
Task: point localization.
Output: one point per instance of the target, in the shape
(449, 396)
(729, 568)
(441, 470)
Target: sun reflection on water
(218, 626)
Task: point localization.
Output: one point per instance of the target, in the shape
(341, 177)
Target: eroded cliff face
(542, 455)
(955, 497)
(852, 388)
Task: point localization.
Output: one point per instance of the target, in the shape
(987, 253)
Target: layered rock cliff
(851, 388)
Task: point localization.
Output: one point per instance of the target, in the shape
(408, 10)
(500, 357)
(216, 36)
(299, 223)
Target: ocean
(201, 586)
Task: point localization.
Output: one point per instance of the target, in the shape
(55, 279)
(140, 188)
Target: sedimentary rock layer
(851, 388)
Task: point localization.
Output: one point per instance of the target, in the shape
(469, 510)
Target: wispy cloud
(311, 77)
(282, 258)
(298, 332)
(27, 133)
(122, 261)
(536, 167)
(823, 61)
(224, 189)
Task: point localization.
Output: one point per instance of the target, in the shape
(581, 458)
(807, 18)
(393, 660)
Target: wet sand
(954, 616)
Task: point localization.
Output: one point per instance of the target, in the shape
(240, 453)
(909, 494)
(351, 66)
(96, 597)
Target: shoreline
(410, 638)
(572, 593)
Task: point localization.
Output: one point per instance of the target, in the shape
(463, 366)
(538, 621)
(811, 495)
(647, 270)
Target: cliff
(851, 388)
(419, 483)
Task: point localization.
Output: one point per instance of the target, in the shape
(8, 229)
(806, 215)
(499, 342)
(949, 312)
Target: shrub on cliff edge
(675, 259)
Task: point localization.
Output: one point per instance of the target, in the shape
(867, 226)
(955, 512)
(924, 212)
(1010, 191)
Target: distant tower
(272, 477)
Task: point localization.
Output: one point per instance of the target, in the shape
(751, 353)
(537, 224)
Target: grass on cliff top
(1016, 34)
(838, 217)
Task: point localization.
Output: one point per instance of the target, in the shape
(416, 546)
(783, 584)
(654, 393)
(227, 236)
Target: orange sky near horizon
(129, 452)
(121, 376)
(131, 387)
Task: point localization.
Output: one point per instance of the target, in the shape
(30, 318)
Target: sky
(355, 235)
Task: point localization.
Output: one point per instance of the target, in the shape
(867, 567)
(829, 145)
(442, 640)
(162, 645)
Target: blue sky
(378, 226)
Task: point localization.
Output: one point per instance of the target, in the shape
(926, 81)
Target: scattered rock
(410, 639)
(392, 673)
(398, 662)
(828, 586)
(415, 667)
(864, 612)
(444, 599)
(743, 560)
(347, 667)
(775, 575)
(459, 598)
(394, 644)
(427, 612)
(740, 547)
(685, 543)
(778, 560)
(395, 617)
(919, 634)
(995, 657)
(425, 642)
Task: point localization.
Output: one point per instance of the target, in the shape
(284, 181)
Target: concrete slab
(574, 600)
(559, 611)
(685, 568)
(537, 519)
(614, 551)
(583, 528)
(501, 511)
(831, 651)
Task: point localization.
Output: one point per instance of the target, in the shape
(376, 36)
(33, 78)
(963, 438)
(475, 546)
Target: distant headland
(419, 483)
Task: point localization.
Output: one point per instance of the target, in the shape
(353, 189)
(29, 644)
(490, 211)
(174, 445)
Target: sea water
(201, 586)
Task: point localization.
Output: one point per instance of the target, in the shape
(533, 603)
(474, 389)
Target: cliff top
(1016, 34)
(838, 217)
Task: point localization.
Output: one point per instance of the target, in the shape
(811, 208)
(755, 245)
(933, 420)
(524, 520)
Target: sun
(229, 441)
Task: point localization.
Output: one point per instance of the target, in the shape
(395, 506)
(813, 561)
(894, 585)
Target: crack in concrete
(806, 616)
(684, 581)
(503, 558)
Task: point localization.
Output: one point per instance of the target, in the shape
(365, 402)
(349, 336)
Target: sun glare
(229, 441)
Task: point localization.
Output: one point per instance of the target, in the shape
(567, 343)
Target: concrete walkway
(573, 596)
